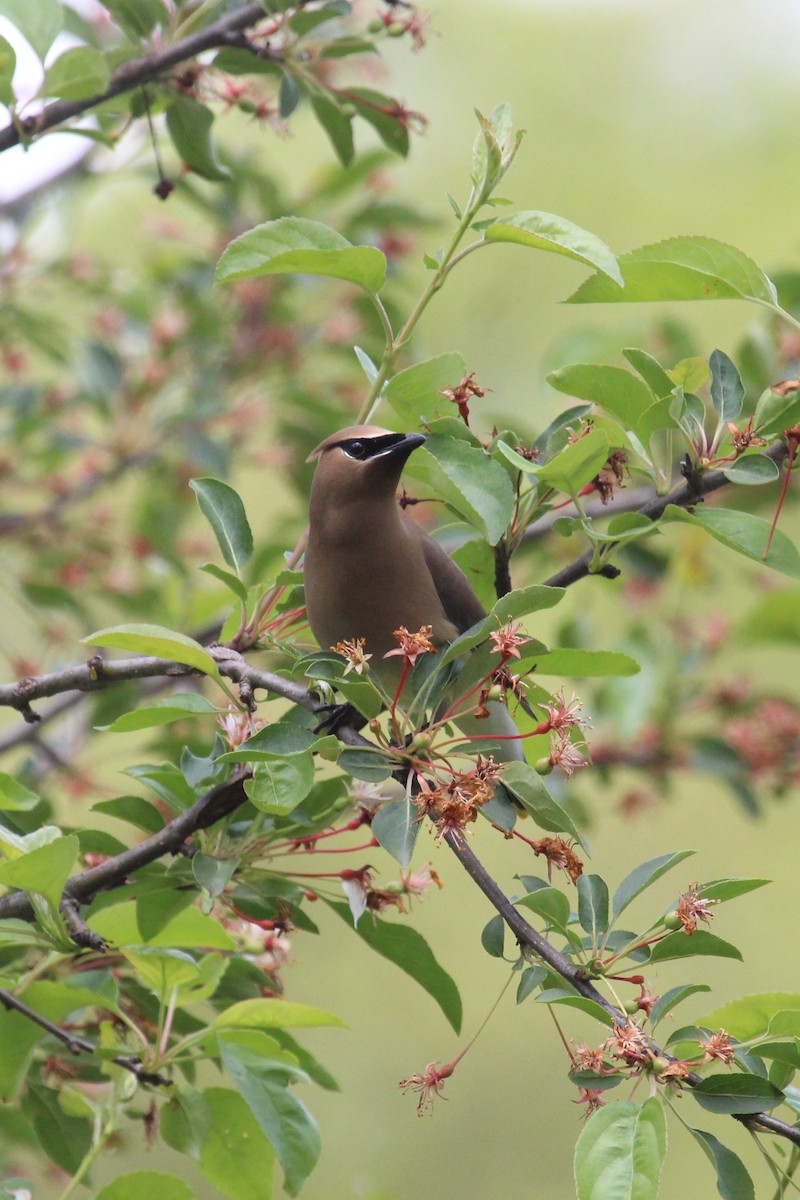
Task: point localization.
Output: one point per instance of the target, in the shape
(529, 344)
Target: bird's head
(362, 460)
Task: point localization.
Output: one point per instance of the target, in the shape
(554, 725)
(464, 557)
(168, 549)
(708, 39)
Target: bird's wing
(459, 601)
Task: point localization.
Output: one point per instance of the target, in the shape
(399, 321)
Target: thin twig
(136, 72)
(79, 1045)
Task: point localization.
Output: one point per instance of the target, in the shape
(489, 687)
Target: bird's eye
(355, 449)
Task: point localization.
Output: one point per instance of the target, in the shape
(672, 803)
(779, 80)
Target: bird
(370, 570)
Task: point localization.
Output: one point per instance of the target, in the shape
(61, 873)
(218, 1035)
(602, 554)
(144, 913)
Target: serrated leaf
(224, 511)
(727, 389)
(744, 532)
(77, 74)
(298, 246)
(670, 999)
(736, 1093)
(158, 641)
(681, 268)
(469, 481)
(39, 21)
(576, 464)
(415, 394)
(615, 389)
(408, 950)
(234, 1155)
(752, 470)
(396, 825)
(593, 906)
(621, 1151)
(146, 1183)
(752, 1016)
(42, 871)
(162, 712)
(530, 790)
(274, 1014)
(733, 1181)
(138, 18)
(683, 945)
(643, 877)
(338, 125)
(545, 231)
(189, 124)
(14, 796)
(280, 784)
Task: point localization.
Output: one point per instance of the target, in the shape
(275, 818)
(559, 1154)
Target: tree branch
(79, 1045)
(691, 492)
(528, 937)
(135, 72)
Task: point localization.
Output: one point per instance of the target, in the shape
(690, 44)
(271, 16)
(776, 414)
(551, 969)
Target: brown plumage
(369, 569)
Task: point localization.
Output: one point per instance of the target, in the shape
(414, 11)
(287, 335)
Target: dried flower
(462, 393)
(692, 908)
(743, 439)
(718, 1046)
(559, 854)
(567, 755)
(592, 1098)
(429, 1084)
(353, 650)
(675, 1071)
(629, 1043)
(418, 883)
(611, 476)
(238, 726)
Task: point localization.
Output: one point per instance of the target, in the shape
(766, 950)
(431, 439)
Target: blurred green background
(643, 121)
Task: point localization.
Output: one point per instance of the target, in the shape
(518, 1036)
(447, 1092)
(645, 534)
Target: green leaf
(670, 999)
(303, 22)
(545, 231)
(683, 945)
(519, 603)
(530, 979)
(751, 1016)
(14, 796)
(213, 874)
(582, 664)
(298, 246)
(777, 410)
(77, 74)
(8, 65)
(146, 1183)
(234, 1154)
(493, 936)
(158, 641)
(550, 904)
(190, 929)
(651, 372)
(408, 950)
(65, 1139)
(493, 152)
(189, 124)
(163, 712)
(733, 1181)
(338, 125)
(568, 999)
(727, 389)
(370, 766)
(729, 889)
(224, 511)
(415, 394)
(274, 1014)
(283, 738)
(620, 1152)
(283, 1119)
(530, 790)
(396, 826)
(681, 268)
(576, 464)
(381, 112)
(615, 389)
(736, 1093)
(743, 532)
(138, 18)
(593, 906)
(280, 784)
(753, 470)
(43, 871)
(643, 876)
(468, 480)
(230, 580)
(37, 20)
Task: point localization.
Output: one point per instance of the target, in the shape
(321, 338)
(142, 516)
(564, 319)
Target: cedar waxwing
(369, 569)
